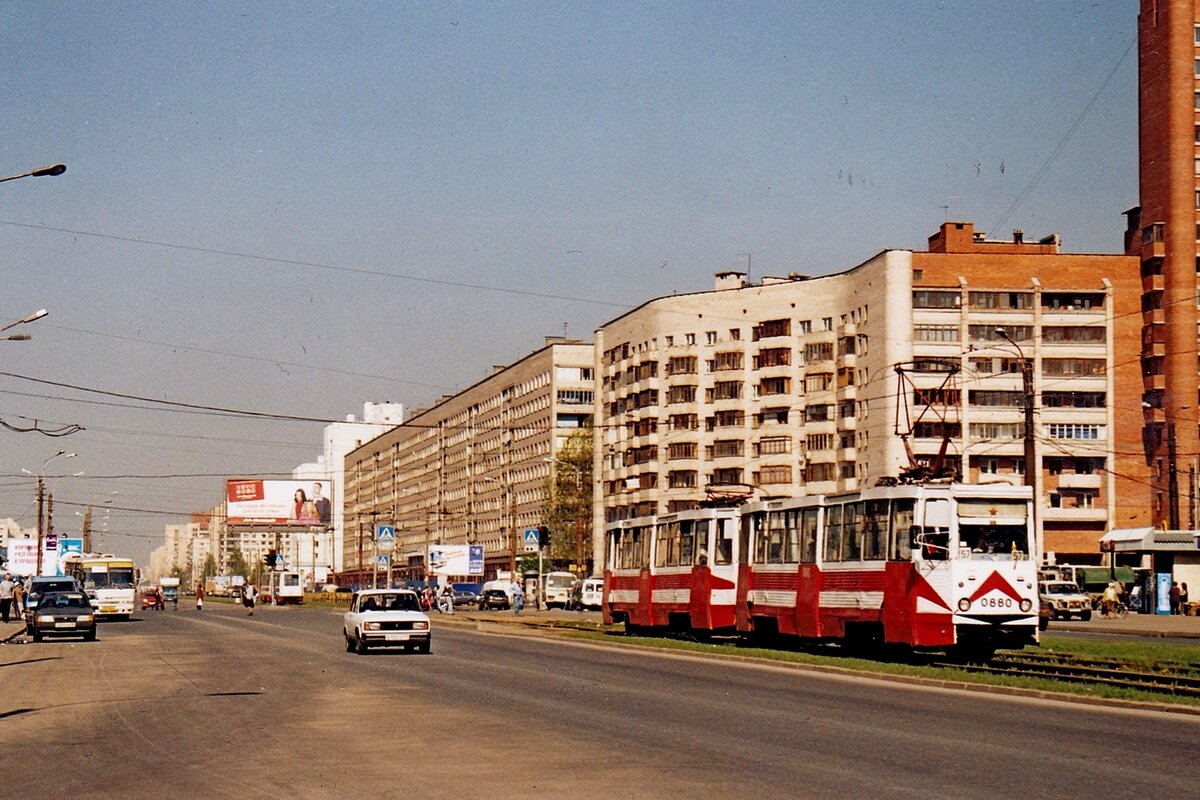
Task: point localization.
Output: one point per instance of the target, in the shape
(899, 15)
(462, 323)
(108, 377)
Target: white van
(592, 594)
(558, 588)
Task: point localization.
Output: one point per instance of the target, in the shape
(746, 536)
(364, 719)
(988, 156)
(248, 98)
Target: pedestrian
(1135, 597)
(518, 596)
(1183, 599)
(6, 596)
(249, 594)
(1112, 593)
(446, 606)
(199, 596)
(1173, 597)
(18, 603)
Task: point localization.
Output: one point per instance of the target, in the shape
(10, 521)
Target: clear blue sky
(431, 188)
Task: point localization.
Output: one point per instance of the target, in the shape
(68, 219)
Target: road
(217, 704)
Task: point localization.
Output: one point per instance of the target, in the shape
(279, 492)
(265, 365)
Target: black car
(493, 598)
(41, 586)
(64, 614)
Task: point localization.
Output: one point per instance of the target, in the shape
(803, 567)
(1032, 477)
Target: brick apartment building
(789, 386)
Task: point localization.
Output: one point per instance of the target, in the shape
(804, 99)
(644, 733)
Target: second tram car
(677, 571)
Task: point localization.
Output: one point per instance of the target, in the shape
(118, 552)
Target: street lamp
(41, 499)
(1029, 451)
(22, 337)
(52, 170)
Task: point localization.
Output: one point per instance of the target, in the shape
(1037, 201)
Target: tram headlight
(1026, 605)
(964, 604)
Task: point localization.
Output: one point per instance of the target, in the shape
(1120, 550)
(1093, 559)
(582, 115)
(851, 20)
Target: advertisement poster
(22, 556)
(264, 502)
(456, 559)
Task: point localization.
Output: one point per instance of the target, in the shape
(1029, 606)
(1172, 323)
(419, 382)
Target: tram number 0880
(997, 602)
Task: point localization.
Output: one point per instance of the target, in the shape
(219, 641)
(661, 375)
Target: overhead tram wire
(1066, 138)
(292, 262)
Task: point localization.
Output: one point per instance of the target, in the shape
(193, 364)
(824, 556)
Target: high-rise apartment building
(1163, 233)
(474, 468)
(800, 385)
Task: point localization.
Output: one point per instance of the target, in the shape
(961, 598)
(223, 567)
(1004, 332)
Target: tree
(237, 563)
(210, 566)
(569, 501)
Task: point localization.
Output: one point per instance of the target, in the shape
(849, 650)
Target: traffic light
(543, 536)
(269, 560)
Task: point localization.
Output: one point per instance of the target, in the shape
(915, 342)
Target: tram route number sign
(530, 537)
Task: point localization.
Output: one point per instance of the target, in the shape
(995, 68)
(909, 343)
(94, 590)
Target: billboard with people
(253, 501)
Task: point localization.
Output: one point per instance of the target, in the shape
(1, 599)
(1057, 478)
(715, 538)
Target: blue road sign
(381, 562)
(530, 537)
(385, 534)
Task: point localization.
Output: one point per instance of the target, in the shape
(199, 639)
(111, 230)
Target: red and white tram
(929, 566)
(677, 571)
(938, 566)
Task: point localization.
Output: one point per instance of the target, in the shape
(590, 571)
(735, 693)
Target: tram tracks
(1177, 679)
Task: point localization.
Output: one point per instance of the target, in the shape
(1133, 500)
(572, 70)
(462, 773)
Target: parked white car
(385, 618)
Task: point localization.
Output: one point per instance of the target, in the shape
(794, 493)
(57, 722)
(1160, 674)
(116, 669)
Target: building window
(682, 365)
(1072, 366)
(780, 474)
(935, 333)
(770, 328)
(774, 386)
(928, 298)
(1014, 301)
(1074, 431)
(681, 394)
(774, 445)
(681, 479)
(991, 333)
(818, 351)
(681, 450)
(727, 390)
(725, 361)
(819, 441)
(775, 357)
(728, 448)
(818, 413)
(989, 431)
(735, 334)
(806, 325)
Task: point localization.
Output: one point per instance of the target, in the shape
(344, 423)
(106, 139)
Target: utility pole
(1172, 480)
(1030, 445)
(87, 530)
(41, 499)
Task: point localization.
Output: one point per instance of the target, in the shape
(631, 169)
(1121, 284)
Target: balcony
(1073, 481)
(1153, 283)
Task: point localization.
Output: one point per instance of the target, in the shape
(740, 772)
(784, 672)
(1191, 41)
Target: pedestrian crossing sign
(385, 535)
(381, 562)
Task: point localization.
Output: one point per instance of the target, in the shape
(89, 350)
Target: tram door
(931, 539)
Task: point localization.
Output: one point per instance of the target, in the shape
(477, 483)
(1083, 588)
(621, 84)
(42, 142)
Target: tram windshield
(1010, 540)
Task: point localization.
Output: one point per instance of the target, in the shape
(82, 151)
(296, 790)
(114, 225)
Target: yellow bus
(109, 581)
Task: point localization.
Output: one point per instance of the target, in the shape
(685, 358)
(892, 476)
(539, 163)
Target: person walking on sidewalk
(6, 596)
(518, 594)
(18, 605)
(1173, 598)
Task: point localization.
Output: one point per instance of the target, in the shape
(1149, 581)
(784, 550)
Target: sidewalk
(1153, 625)
(9, 630)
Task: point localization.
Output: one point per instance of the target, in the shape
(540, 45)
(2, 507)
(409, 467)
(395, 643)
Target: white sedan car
(385, 618)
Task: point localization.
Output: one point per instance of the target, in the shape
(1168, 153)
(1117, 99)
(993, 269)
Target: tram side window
(808, 536)
(875, 527)
(630, 549)
(852, 531)
(745, 537)
(833, 534)
(775, 539)
(901, 529)
(791, 534)
(666, 545)
(724, 548)
(688, 535)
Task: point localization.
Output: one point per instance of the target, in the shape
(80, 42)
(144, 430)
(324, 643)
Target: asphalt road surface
(181, 704)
